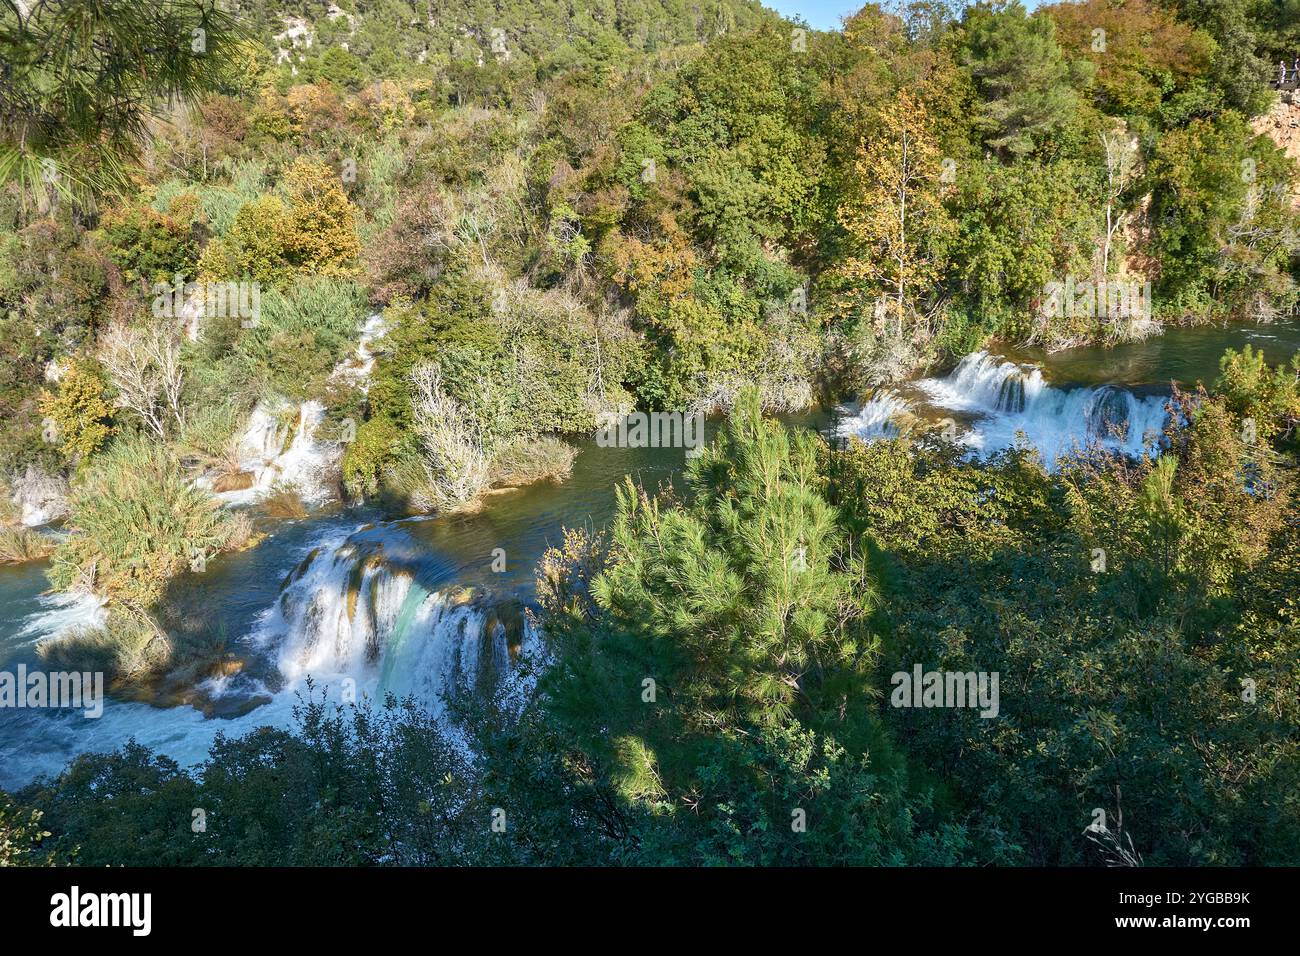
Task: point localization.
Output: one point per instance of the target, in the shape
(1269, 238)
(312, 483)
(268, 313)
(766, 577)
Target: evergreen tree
(81, 79)
(1028, 88)
(720, 686)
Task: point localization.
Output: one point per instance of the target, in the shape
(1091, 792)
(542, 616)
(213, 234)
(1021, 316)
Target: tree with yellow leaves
(323, 231)
(894, 213)
(78, 417)
(272, 240)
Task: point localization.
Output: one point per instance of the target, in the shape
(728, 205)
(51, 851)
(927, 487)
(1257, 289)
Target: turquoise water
(237, 595)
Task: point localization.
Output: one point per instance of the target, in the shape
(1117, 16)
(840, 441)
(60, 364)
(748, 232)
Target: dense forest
(557, 212)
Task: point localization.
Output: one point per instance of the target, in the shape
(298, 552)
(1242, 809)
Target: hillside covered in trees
(455, 236)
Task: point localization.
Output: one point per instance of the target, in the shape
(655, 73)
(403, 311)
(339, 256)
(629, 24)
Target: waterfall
(985, 383)
(1011, 394)
(353, 612)
(280, 444)
(878, 417)
(1004, 402)
(273, 450)
(352, 615)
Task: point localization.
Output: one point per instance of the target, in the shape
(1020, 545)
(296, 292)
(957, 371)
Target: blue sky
(825, 14)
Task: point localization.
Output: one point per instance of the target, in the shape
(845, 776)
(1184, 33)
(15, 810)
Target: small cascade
(985, 383)
(443, 647)
(1011, 394)
(881, 416)
(280, 446)
(1109, 412)
(358, 368)
(1007, 403)
(353, 615)
(62, 613)
(271, 451)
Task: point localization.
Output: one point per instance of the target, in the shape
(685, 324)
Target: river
(425, 606)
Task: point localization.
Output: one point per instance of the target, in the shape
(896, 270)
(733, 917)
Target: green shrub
(1254, 390)
(367, 457)
(148, 246)
(210, 428)
(21, 835)
(220, 202)
(529, 460)
(302, 334)
(136, 522)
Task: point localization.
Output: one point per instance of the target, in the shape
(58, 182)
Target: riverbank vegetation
(562, 222)
(561, 214)
(135, 523)
(718, 681)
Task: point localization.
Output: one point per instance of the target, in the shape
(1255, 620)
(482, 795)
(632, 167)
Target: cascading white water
(350, 613)
(877, 417)
(985, 383)
(358, 368)
(1005, 400)
(345, 614)
(63, 612)
(271, 452)
(281, 444)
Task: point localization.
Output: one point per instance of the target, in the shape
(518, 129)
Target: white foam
(1010, 404)
(273, 453)
(396, 637)
(875, 418)
(282, 445)
(63, 612)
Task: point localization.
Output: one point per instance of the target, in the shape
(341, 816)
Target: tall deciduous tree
(1121, 168)
(896, 217)
(1222, 204)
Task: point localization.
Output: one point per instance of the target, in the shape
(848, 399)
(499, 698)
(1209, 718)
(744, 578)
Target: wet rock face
(39, 497)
